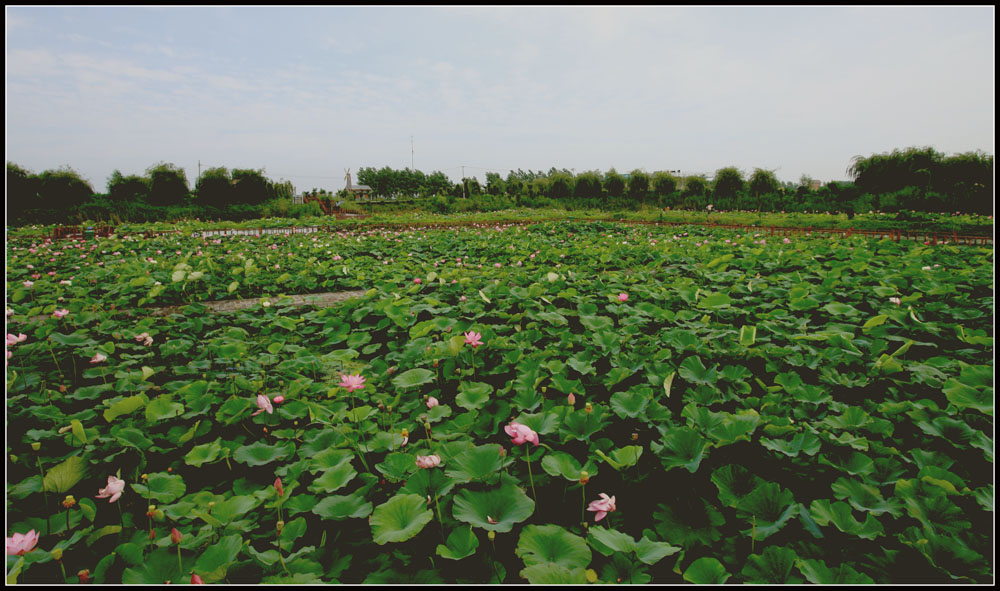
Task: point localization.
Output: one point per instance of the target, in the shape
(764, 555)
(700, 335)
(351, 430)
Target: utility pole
(411, 153)
(199, 170)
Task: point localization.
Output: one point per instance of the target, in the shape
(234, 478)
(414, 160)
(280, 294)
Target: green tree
(728, 183)
(664, 184)
(560, 187)
(588, 187)
(614, 184)
(127, 189)
(215, 187)
(22, 190)
(638, 187)
(761, 184)
(250, 186)
(63, 189)
(167, 184)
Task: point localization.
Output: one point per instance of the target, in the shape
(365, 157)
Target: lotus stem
(531, 479)
(180, 567)
(56, 361)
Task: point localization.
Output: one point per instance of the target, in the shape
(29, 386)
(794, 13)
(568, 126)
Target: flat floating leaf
(460, 544)
(64, 476)
(706, 571)
(506, 506)
(400, 518)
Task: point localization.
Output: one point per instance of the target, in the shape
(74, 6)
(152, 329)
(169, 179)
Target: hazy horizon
(305, 93)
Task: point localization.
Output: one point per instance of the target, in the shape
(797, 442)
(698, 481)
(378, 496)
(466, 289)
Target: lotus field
(547, 403)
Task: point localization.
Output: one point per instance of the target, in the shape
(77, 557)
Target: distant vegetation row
(914, 179)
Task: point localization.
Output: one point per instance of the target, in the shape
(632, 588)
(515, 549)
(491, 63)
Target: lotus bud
(491, 535)
(584, 477)
(211, 504)
(158, 516)
(280, 526)
(57, 553)
(152, 534)
(84, 575)
(69, 502)
(635, 437)
(196, 580)
(175, 536)
(144, 477)
(571, 399)
(588, 409)
(36, 446)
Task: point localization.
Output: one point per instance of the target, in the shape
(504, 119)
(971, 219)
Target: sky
(307, 92)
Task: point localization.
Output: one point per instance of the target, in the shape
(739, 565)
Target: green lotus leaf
(157, 568)
(397, 466)
(693, 370)
(162, 408)
(506, 506)
(624, 457)
(213, 563)
(343, 507)
(326, 459)
(706, 571)
(480, 463)
(461, 543)
(234, 507)
(806, 442)
(201, 454)
(774, 566)
(64, 476)
(132, 437)
(965, 396)
(541, 544)
(816, 572)
(428, 483)
(413, 377)
(125, 406)
(333, 479)
(165, 488)
(629, 404)
(839, 514)
(473, 395)
(542, 423)
(260, 453)
(400, 518)
(681, 447)
(562, 464)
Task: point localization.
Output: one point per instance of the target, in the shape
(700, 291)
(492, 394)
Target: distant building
(814, 185)
(357, 191)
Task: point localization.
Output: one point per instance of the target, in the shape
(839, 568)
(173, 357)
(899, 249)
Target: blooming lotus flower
(428, 461)
(60, 313)
(113, 489)
(263, 403)
(472, 338)
(22, 543)
(98, 358)
(622, 297)
(432, 402)
(896, 301)
(28, 283)
(521, 433)
(602, 506)
(279, 399)
(352, 382)
(417, 281)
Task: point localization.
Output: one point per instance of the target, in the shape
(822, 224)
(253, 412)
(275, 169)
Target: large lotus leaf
(816, 572)
(839, 514)
(201, 454)
(343, 507)
(681, 447)
(506, 506)
(159, 567)
(806, 443)
(165, 488)
(648, 551)
(433, 483)
(553, 574)
(734, 427)
(582, 425)
(233, 508)
(413, 377)
(260, 453)
(965, 396)
(774, 566)
(542, 423)
(217, 558)
(478, 463)
(629, 404)
(706, 571)
(333, 479)
(624, 457)
(400, 518)
(540, 544)
(693, 370)
(397, 466)
(125, 406)
(473, 395)
(562, 464)
(852, 462)
(162, 408)
(865, 497)
(64, 476)
(623, 570)
(461, 543)
(768, 507)
(689, 521)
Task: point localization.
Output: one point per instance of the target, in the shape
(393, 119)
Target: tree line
(912, 179)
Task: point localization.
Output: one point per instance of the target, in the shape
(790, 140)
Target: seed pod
(280, 526)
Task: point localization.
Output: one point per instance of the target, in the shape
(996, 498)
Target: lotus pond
(553, 403)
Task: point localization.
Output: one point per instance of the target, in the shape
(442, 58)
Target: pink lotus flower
(279, 399)
(462, 299)
(896, 301)
(175, 536)
(113, 489)
(352, 382)
(571, 399)
(15, 339)
(602, 506)
(279, 488)
(28, 283)
(491, 520)
(432, 402)
(428, 461)
(60, 313)
(22, 543)
(472, 338)
(263, 403)
(196, 580)
(521, 433)
(417, 281)
(622, 297)
(98, 358)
